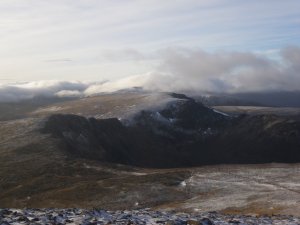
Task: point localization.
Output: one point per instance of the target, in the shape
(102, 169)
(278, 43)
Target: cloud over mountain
(232, 71)
(28, 90)
(182, 69)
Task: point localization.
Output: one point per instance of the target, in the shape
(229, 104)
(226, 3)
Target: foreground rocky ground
(142, 216)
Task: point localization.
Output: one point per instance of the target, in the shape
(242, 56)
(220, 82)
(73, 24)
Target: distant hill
(270, 99)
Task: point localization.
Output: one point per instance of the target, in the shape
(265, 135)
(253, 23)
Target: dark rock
(4, 223)
(35, 219)
(5, 212)
(92, 223)
(206, 221)
(125, 217)
(23, 219)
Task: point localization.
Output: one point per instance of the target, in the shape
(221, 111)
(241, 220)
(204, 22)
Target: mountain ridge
(184, 133)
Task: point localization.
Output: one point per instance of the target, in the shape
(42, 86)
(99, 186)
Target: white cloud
(28, 90)
(69, 93)
(183, 69)
(197, 70)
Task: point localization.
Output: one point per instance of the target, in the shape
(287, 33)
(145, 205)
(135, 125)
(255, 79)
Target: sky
(138, 40)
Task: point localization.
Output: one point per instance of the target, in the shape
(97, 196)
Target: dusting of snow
(183, 183)
(216, 111)
(114, 171)
(48, 109)
(159, 117)
(172, 120)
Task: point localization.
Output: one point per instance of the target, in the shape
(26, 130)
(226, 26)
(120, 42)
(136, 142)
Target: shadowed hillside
(183, 133)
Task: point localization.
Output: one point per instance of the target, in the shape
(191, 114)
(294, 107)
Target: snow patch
(49, 109)
(183, 183)
(217, 111)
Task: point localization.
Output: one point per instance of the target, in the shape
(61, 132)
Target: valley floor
(270, 189)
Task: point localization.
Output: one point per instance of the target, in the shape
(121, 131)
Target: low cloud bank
(221, 72)
(27, 90)
(232, 72)
(183, 70)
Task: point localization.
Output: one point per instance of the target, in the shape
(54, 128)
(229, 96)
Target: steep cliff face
(183, 133)
(260, 139)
